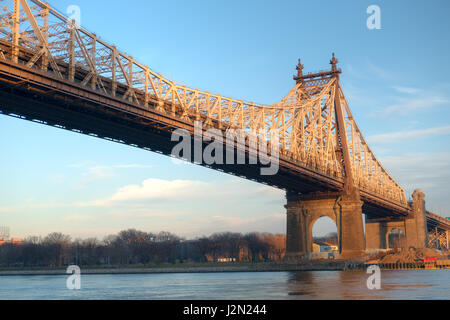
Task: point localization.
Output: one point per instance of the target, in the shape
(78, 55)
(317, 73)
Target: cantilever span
(57, 73)
(41, 38)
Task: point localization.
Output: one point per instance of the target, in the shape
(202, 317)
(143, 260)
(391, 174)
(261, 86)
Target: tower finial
(334, 63)
(300, 67)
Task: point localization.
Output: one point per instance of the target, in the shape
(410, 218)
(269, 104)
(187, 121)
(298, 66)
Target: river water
(420, 284)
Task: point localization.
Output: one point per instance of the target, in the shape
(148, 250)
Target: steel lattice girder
(37, 36)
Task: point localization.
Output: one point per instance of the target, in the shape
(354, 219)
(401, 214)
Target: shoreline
(336, 266)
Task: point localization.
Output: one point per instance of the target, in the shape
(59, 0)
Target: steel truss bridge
(54, 72)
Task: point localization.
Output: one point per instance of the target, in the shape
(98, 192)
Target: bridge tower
(344, 207)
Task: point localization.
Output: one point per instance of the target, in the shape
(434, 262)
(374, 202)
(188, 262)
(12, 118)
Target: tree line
(133, 247)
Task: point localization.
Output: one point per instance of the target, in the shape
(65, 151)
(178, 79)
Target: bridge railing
(442, 220)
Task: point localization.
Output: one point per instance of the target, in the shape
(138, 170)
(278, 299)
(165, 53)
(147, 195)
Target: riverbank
(393, 260)
(188, 268)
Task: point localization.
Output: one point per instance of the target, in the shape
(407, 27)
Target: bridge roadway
(38, 96)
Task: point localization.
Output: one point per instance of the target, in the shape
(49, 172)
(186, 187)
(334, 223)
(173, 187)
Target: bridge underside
(114, 120)
(34, 95)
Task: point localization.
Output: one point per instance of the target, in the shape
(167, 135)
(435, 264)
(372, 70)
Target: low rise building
(320, 246)
(13, 241)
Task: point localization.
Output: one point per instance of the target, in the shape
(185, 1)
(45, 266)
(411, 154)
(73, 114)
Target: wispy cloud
(116, 166)
(376, 71)
(102, 172)
(30, 206)
(406, 90)
(367, 71)
(406, 107)
(395, 137)
(145, 213)
(78, 218)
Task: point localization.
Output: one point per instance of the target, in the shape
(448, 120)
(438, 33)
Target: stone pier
(378, 231)
(304, 210)
(414, 227)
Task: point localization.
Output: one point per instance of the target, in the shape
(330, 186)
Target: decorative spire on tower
(299, 77)
(334, 63)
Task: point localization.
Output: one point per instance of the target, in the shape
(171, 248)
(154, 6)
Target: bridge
(54, 72)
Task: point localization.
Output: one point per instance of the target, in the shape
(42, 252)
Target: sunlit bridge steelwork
(57, 73)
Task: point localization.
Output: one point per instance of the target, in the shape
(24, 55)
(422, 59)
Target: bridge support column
(416, 224)
(296, 231)
(352, 242)
(304, 210)
(375, 235)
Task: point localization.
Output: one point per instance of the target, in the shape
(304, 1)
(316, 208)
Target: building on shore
(321, 246)
(324, 251)
(13, 241)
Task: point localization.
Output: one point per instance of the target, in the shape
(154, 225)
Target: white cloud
(184, 190)
(408, 135)
(155, 189)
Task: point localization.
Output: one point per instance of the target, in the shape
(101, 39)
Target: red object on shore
(430, 259)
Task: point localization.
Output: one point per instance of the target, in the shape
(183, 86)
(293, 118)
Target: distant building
(4, 233)
(226, 260)
(17, 241)
(321, 246)
(14, 241)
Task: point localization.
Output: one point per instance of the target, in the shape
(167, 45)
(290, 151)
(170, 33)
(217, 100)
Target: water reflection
(327, 285)
(353, 285)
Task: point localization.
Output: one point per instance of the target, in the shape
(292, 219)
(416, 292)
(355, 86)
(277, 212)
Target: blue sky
(395, 79)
